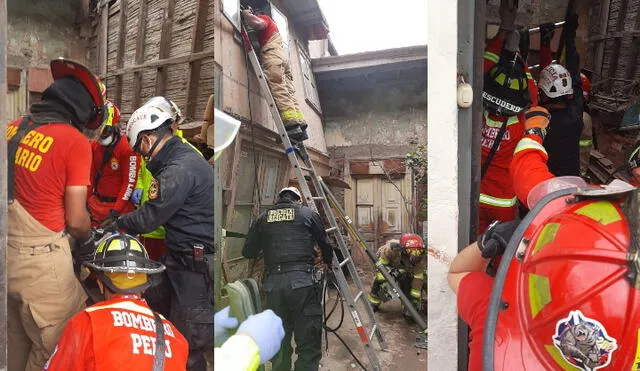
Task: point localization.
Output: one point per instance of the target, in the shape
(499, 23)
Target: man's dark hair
(288, 196)
(160, 131)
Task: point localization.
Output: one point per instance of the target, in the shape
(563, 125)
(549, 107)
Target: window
(310, 88)
(231, 9)
(283, 28)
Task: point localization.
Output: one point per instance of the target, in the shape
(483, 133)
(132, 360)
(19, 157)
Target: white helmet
(166, 105)
(143, 119)
(555, 81)
(291, 189)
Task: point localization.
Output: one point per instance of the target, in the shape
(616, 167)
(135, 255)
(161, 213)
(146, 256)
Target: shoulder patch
(114, 164)
(281, 215)
(154, 189)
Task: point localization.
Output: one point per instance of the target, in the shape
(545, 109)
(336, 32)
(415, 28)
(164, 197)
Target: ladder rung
(342, 263)
(306, 168)
(328, 230)
(355, 300)
(317, 198)
(373, 331)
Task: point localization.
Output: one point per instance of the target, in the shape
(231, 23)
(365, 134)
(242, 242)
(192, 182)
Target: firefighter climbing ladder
(326, 199)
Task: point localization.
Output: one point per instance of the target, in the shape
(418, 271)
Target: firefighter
(180, 200)
(256, 340)
(569, 297)
(406, 261)
(277, 71)
(586, 137)
(48, 179)
(114, 170)
(561, 93)
(122, 329)
(287, 234)
(154, 241)
(508, 90)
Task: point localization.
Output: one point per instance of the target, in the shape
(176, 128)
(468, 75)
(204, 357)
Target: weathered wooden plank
(165, 43)
(604, 22)
(196, 46)
(120, 50)
(161, 62)
(617, 43)
(140, 36)
(635, 49)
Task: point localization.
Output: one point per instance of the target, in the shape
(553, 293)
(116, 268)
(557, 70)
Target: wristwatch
(536, 131)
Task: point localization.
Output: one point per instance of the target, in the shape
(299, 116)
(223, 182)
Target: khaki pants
(277, 71)
(43, 292)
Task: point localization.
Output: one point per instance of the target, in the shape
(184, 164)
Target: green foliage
(417, 162)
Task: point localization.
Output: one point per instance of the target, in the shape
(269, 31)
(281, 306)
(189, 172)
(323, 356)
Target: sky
(365, 25)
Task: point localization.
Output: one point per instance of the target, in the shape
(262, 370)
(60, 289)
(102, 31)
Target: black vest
(287, 232)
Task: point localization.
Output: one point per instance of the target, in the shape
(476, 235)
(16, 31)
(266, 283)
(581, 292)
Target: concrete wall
(41, 30)
(229, 54)
(442, 182)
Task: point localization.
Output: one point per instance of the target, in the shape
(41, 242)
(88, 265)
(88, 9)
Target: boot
(294, 131)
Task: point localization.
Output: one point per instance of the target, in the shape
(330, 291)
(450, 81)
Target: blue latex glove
(266, 330)
(222, 323)
(136, 196)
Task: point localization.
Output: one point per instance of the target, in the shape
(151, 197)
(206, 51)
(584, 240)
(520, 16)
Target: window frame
(309, 81)
(234, 19)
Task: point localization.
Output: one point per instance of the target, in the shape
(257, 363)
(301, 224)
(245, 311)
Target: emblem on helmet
(584, 342)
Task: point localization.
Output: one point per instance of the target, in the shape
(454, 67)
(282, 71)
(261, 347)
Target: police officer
(287, 233)
(180, 200)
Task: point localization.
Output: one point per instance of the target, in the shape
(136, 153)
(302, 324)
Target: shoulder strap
(494, 149)
(158, 359)
(12, 150)
(107, 156)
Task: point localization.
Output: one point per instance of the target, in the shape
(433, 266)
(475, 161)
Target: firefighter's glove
(508, 18)
(395, 273)
(83, 251)
(512, 42)
(266, 330)
(546, 33)
(536, 121)
(136, 195)
(110, 224)
(494, 241)
(222, 324)
(634, 158)
(571, 25)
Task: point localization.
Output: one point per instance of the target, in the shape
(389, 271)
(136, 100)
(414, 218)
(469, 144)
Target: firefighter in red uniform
(121, 331)
(114, 170)
(509, 89)
(570, 295)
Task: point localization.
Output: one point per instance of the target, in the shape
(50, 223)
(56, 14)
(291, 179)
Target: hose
(495, 302)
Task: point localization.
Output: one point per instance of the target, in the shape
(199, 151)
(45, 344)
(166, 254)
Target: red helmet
(586, 85)
(412, 244)
(568, 303)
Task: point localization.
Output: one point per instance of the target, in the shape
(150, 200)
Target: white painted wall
(442, 224)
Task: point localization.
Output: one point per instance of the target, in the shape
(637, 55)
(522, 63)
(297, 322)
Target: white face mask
(106, 141)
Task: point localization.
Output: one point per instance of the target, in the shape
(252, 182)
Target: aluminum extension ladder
(293, 151)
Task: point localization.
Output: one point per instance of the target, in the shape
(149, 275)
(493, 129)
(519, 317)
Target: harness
(96, 178)
(12, 150)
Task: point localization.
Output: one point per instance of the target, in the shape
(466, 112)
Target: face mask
(106, 141)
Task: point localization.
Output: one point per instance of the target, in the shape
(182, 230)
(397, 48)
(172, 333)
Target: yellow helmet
(122, 264)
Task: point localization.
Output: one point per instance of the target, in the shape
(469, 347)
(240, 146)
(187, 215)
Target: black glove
(83, 251)
(546, 33)
(493, 242)
(110, 224)
(633, 160)
(571, 26)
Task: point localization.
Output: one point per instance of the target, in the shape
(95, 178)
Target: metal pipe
(537, 29)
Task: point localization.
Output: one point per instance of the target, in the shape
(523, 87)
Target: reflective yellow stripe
(498, 202)
(237, 353)
(528, 143)
(415, 293)
(374, 299)
(529, 76)
(601, 211)
(402, 270)
(491, 56)
(382, 261)
(496, 124)
(288, 114)
(419, 276)
(586, 143)
(300, 115)
(379, 277)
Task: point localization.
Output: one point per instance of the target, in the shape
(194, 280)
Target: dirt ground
(401, 354)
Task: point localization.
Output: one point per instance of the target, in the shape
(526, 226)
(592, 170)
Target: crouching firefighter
(180, 200)
(287, 234)
(48, 175)
(406, 261)
(114, 170)
(123, 323)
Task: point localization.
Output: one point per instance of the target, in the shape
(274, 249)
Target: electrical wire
(326, 316)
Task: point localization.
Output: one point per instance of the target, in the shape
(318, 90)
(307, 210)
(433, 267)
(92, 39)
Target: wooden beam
(617, 43)
(122, 35)
(162, 62)
(193, 83)
(635, 48)
(604, 22)
(103, 39)
(614, 35)
(140, 35)
(3, 186)
(165, 44)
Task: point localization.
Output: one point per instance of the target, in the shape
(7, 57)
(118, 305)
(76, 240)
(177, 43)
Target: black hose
(327, 316)
(495, 303)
